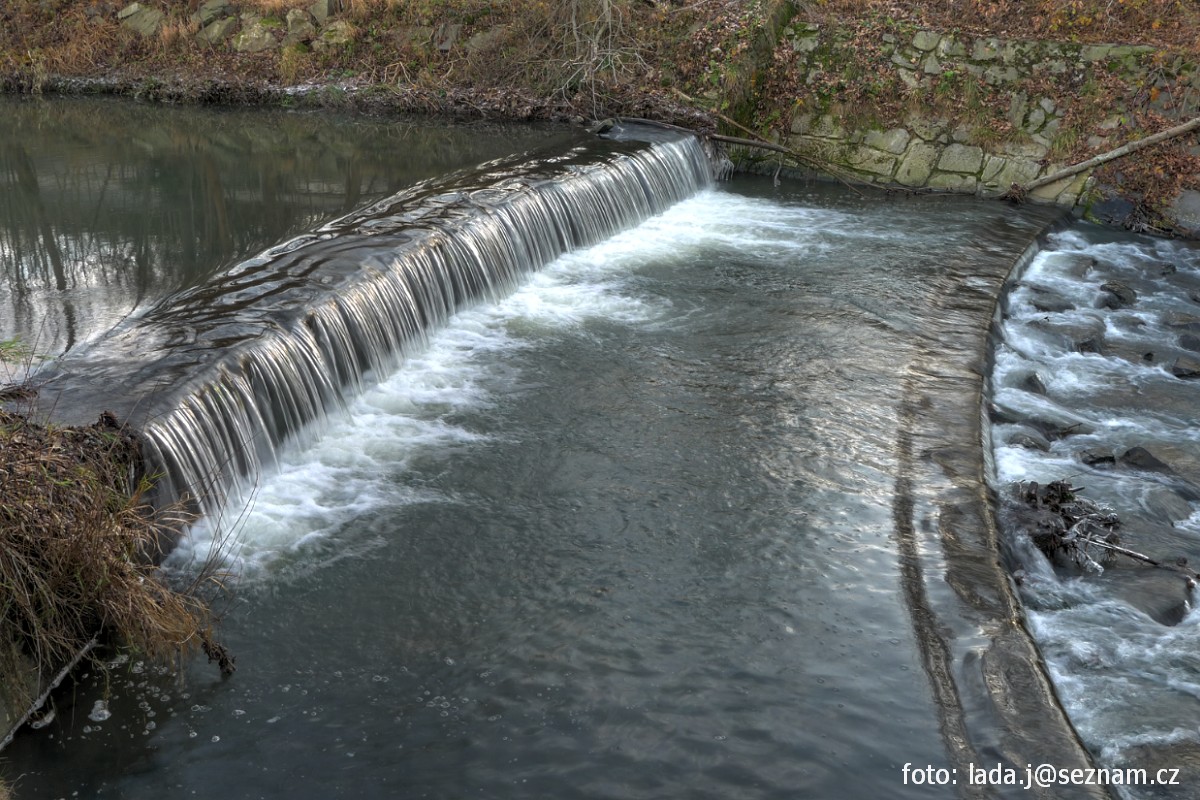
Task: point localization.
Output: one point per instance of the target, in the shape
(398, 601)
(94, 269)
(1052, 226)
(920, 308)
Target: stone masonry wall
(1039, 81)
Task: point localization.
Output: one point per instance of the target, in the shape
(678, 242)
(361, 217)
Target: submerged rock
(1115, 294)
(1186, 367)
(1143, 459)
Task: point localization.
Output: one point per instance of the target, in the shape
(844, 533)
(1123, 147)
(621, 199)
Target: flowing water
(695, 510)
(1087, 388)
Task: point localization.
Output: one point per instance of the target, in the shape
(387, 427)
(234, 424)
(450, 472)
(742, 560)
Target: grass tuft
(78, 545)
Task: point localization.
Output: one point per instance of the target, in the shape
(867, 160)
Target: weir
(220, 376)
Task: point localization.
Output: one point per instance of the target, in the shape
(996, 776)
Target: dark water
(649, 527)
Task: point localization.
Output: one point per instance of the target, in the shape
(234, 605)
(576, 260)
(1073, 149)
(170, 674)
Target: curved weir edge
(315, 319)
(994, 698)
(259, 357)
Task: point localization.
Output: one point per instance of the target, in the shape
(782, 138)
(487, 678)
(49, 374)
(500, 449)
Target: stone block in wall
(998, 73)
(827, 128)
(1030, 151)
(950, 47)
(802, 123)
(874, 162)
(890, 141)
(1000, 173)
(985, 49)
(961, 158)
(1051, 191)
(917, 165)
(927, 128)
(952, 182)
(926, 41)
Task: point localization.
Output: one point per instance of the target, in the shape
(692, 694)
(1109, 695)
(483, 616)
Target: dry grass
(77, 547)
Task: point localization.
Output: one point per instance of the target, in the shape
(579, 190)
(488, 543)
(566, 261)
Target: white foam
(303, 511)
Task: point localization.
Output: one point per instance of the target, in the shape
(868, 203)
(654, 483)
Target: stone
(338, 33)
(446, 36)
(952, 182)
(1050, 303)
(910, 78)
(1143, 459)
(949, 47)
(985, 49)
(917, 165)
(1001, 74)
(217, 31)
(1030, 440)
(802, 123)
(828, 128)
(1035, 120)
(927, 128)
(322, 10)
(1029, 151)
(300, 27)
(873, 162)
(255, 38)
(926, 40)
(1032, 383)
(1018, 104)
(1186, 367)
(961, 158)
(931, 65)
(1182, 322)
(893, 141)
(1051, 191)
(141, 19)
(212, 10)
(1115, 294)
(1190, 342)
(1185, 209)
(1096, 457)
(490, 39)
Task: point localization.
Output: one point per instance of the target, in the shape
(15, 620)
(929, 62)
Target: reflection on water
(107, 206)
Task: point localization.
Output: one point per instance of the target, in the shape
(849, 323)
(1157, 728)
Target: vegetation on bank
(78, 548)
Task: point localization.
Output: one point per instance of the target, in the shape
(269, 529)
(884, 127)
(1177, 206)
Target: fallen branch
(1070, 526)
(1017, 192)
(760, 142)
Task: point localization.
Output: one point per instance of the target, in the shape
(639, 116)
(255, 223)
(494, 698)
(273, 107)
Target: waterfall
(220, 376)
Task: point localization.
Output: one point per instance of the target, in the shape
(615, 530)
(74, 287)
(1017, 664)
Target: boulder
(140, 18)
(218, 30)
(1115, 294)
(300, 27)
(1186, 367)
(213, 10)
(338, 33)
(322, 10)
(1143, 459)
(254, 38)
